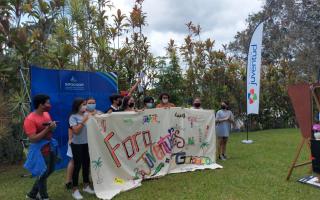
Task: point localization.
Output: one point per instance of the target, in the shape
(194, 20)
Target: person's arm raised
(134, 87)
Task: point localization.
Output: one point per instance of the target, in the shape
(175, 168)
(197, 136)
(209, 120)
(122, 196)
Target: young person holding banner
(164, 101)
(148, 102)
(79, 146)
(91, 106)
(116, 101)
(128, 104)
(224, 118)
(196, 103)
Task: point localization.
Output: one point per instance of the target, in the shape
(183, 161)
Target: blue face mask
(91, 107)
(149, 105)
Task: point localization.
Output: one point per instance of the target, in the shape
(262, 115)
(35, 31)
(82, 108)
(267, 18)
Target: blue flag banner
(63, 86)
(253, 71)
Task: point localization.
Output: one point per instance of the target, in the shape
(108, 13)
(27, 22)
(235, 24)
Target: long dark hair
(125, 102)
(76, 105)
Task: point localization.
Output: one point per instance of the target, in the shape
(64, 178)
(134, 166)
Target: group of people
(39, 127)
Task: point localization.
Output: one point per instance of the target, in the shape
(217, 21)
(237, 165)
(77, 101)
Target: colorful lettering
(112, 149)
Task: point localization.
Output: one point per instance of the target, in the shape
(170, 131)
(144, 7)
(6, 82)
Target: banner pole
(253, 73)
(247, 141)
(248, 127)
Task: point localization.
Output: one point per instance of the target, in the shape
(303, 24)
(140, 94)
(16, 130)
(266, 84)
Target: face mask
(149, 105)
(83, 109)
(91, 107)
(223, 107)
(47, 108)
(165, 100)
(131, 105)
(197, 105)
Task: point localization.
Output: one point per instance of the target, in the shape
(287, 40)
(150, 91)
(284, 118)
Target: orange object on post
(124, 93)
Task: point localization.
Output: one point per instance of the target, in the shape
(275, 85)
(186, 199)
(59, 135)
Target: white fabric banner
(253, 71)
(127, 147)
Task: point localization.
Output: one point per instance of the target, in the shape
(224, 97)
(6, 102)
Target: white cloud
(220, 20)
(159, 41)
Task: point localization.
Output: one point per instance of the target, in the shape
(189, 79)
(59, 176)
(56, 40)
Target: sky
(220, 20)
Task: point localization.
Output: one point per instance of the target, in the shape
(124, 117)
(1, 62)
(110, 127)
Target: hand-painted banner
(127, 147)
(253, 71)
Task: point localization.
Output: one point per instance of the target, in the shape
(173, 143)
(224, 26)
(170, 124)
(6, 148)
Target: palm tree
(204, 145)
(119, 25)
(97, 164)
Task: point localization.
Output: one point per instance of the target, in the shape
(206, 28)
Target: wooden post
(294, 165)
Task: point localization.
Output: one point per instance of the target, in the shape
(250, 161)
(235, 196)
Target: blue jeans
(40, 185)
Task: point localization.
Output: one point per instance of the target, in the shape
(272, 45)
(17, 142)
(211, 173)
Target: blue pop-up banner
(63, 86)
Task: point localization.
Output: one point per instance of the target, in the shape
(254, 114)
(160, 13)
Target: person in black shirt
(116, 101)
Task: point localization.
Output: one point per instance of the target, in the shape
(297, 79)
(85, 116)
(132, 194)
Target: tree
(170, 78)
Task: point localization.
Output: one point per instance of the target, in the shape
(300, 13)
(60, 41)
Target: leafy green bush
(11, 150)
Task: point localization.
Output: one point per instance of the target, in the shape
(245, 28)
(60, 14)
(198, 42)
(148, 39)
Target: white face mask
(165, 100)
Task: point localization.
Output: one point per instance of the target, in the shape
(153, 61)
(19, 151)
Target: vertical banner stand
(253, 76)
(247, 141)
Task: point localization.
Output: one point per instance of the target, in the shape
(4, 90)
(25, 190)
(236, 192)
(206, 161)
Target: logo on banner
(73, 80)
(252, 96)
(74, 84)
(253, 67)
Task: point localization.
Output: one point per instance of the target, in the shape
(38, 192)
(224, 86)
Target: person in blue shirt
(79, 146)
(224, 119)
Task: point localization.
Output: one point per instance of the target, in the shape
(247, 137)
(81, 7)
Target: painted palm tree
(136, 174)
(204, 145)
(97, 164)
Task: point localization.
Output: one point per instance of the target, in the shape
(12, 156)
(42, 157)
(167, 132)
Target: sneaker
(225, 157)
(76, 195)
(221, 157)
(28, 197)
(88, 190)
(38, 197)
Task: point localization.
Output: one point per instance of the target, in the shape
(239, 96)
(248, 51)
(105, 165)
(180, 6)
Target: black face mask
(197, 105)
(223, 107)
(131, 105)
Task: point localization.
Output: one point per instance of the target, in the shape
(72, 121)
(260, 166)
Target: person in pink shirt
(38, 126)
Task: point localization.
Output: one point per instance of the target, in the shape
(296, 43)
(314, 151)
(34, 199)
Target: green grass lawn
(255, 171)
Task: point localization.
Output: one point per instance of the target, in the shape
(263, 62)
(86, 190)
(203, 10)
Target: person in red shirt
(38, 126)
